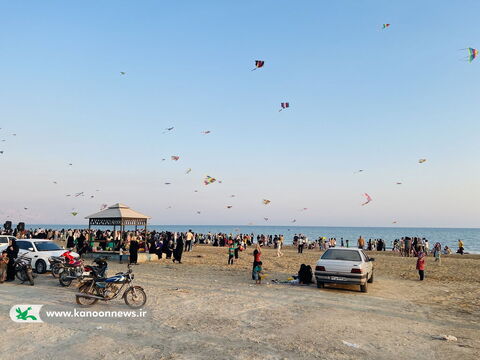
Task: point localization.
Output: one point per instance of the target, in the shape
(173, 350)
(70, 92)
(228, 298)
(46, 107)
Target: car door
(368, 263)
(24, 247)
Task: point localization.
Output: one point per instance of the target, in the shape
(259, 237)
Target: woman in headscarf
(134, 246)
(177, 253)
(12, 253)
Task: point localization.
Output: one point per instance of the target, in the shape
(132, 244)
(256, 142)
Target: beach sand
(205, 309)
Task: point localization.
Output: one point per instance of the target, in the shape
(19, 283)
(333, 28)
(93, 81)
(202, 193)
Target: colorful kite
(209, 180)
(368, 199)
(472, 54)
(421, 161)
(385, 26)
(174, 157)
(284, 105)
(74, 213)
(258, 64)
(266, 201)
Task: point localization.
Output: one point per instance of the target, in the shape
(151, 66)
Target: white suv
(344, 266)
(39, 250)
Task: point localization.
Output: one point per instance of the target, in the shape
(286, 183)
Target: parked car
(39, 251)
(344, 266)
(4, 241)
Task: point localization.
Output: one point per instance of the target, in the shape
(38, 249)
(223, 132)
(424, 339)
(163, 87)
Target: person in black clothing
(70, 242)
(305, 274)
(177, 253)
(134, 251)
(81, 245)
(12, 253)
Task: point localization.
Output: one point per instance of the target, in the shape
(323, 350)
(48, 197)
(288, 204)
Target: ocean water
(446, 236)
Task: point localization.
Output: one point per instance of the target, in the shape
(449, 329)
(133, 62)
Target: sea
(445, 236)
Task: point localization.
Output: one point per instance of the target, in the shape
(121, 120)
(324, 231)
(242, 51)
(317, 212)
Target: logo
(25, 313)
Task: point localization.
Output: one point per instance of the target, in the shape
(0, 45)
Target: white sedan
(39, 250)
(344, 266)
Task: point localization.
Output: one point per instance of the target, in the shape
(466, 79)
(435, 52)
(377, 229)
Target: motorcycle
(23, 269)
(57, 264)
(107, 289)
(76, 270)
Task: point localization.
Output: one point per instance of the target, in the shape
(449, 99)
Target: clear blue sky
(360, 98)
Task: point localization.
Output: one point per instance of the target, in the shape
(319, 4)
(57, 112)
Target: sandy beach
(204, 309)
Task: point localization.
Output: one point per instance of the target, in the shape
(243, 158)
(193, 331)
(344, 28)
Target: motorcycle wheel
(85, 301)
(21, 275)
(55, 270)
(30, 276)
(135, 297)
(63, 279)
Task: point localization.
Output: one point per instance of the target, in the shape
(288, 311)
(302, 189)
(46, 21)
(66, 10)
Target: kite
(68, 195)
(294, 221)
(472, 54)
(266, 202)
(399, 183)
(304, 209)
(79, 194)
(174, 157)
(368, 199)
(195, 191)
(266, 219)
(421, 161)
(168, 129)
(209, 180)
(70, 164)
(229, 206)
(384, 26)
(394, 222)
(74, 213)
(103, 207)
(169, 207)
(16, 134)
(164, 159)
(258, 64)
(358, 171)
(198, 212)
(284, 106)
(167, 183)
(91, 196)
(220, 181)
(55, 182)
(232, 196)
(25, 208)
(122, 72)
(1, 152)
(189, 170)
(206, 132)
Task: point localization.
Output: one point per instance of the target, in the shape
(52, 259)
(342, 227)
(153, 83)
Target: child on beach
(421, 265)
(257, 273)
(3, 266)
(231, 252)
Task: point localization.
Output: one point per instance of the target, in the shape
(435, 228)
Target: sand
(205, 309)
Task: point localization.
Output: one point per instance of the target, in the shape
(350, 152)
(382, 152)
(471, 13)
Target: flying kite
(385, 26)
(25, 208)
(70, 164)
(266, 219)
(92, 196)
(294, 221)
(189, 170)
(55, 182)
(209, 180)
(168, 129)
(368, 199)
(169, 207)
(266, 202)
(103, 207)
(1, 152)
(79, 194)
(74, 213)
(122, 72)
(358, 171)
(206, 132)
(174, 157)
(229, 206)
(258, 64)
(232, 196)
(399, 183)
(421, 161)
(394, 222)
(167, 183)
(304, 209)
(284, 105)
(198, 212)
(68, 195)
(472, 54)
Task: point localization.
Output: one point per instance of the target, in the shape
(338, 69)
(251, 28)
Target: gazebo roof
(118, 211)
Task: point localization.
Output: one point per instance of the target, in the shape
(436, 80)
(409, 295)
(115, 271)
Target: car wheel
(371, 278)
(320, 285)
(363, 288)
(40, 266)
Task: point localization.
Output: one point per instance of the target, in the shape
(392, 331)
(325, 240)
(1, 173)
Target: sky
(361, 98)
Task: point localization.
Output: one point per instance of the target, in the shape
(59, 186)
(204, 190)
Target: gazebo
(118, 215)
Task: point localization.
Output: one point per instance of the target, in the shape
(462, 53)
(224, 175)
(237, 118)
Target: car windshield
(332, 254)
(47, 246)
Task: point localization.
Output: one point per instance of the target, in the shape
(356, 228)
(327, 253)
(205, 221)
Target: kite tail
(254, 69)
(280, 110)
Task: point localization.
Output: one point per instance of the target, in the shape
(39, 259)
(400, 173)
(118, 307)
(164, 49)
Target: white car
(4, 239)
(344, 266)
(39, 250)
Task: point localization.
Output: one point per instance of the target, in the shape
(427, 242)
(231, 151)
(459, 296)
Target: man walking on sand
(188, 242)
(279, 246)
(361, 242)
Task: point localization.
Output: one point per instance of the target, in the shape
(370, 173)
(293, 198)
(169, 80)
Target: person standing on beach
(421, 265)
(257, 253)
(3, 266)
(437, 251)
(12, 253)
(188, 242)
(177, 253)
(460, 247)
(279, 246)
(361, 242)
(134, 246)
(231, 252)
